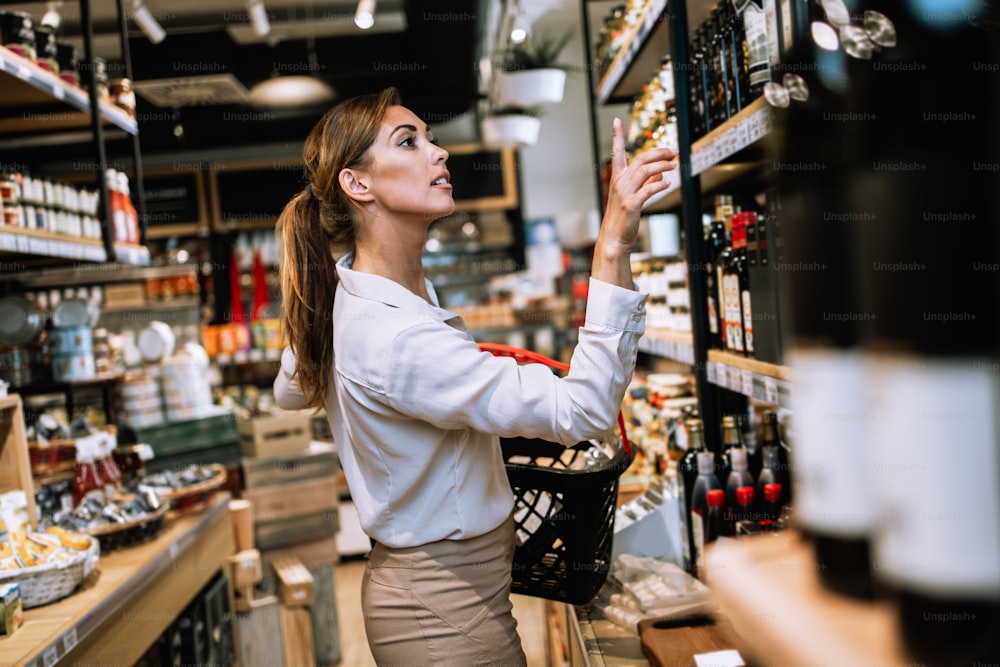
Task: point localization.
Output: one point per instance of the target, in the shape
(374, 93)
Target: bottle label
(747, 321)
(698, 538)
(713, 316)
(937, 463)
(831, 457)
(755, 27)
(773, 47)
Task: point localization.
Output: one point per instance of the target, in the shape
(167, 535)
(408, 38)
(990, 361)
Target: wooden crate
(275, 434)
(283, 532)
(310, 553)
(295, 583)
(297, 636)
(15, 462)
(325, 622)
(297, 512)
(319, 460)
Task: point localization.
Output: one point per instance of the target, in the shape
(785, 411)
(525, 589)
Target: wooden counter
(130, 599)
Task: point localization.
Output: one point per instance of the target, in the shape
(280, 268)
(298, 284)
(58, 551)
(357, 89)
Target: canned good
(46, 53)
(70, 367)
(71, 341)
(17, 33)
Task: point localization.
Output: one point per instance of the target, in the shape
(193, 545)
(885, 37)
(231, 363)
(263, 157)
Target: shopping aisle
(530, 614)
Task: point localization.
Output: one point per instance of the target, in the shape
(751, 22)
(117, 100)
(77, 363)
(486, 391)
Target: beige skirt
(444, 603)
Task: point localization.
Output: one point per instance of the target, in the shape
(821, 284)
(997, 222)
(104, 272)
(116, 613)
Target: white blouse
(416, 409)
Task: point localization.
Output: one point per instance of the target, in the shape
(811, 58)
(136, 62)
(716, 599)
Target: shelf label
(771, 390)
(50, 656)
(23, 72)
(69, 640)
(746, 382)
(710, 372)
(172, 551)
(8, 242)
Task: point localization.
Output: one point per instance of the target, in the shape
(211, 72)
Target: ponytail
(317, 223)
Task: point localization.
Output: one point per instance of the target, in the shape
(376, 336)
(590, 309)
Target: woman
(415, 408)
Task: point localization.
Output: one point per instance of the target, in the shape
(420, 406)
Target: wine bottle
(934, 352)
(715, 242)
(733, 273)
(738, 478)
(773, 469)
(687, 473)
(705, 482)
(748, 226)
(832, 482)
(771, 509)
(715, 521)
(732, 438)
(745, 514)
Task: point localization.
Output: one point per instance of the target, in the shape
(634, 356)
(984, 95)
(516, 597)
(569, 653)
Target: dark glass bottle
(734, 51)
(705, 482)
(732, 437)
(715, 521)
(739, 477)
(771, 508)
(715, 243)
(773, 468)
(733, 281)
(687, 471)
(745, 513)
(721, 39)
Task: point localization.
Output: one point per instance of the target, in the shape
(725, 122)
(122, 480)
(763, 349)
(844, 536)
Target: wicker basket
(196, 496)
(43, 584)
(564, 513)
(120, 535)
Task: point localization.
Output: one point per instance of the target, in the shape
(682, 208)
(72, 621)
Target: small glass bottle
(87, 477)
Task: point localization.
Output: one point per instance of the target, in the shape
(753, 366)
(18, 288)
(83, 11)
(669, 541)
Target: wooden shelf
(712, 179)
(636, 61)
(770, 383)
(24, 241)
(676, 345)
(49, 102)
(133, 596)
(768, 588)
(745, 129)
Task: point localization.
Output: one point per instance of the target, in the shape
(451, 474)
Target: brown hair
(317, 222)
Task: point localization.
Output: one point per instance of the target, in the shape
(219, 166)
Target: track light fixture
(364, 16)
(52, 18)
(258, 17)
(150, 27)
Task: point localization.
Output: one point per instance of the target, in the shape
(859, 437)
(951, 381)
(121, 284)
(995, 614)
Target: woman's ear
(354, 183)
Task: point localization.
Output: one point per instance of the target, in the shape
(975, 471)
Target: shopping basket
(564, 507)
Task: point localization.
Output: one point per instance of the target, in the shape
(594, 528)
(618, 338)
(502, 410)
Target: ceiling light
(364, 16)
(522, 26)
(825, 36)
(51, 18)
(258, 17)
(290, 91)
(150, 27)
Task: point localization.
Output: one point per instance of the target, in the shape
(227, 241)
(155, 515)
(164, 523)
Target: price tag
(58, 92)
(23, 72)
(173, 550)
(50, 656)
(8, 242)
(771, 390)
(710, 372)
(69, 640)
(746, 382)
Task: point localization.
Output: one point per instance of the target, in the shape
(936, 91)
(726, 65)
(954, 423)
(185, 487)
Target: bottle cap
(693, 425)
(738, 458)
(706, 463)
(744, 495)
(715, 497)
(772, 492)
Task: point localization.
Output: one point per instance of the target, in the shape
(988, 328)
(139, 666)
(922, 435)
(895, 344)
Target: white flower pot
(530, 87)
(513, 131)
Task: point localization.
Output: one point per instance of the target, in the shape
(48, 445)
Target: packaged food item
(11, 611)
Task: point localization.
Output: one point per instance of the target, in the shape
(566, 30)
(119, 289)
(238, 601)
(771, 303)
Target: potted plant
(511, 127)
(529, 73)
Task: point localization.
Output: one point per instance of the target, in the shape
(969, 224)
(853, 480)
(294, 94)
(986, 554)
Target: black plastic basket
(564, 516)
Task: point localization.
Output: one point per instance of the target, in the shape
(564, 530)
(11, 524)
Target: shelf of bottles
(744, 129)
(26, 82)
(623, 38)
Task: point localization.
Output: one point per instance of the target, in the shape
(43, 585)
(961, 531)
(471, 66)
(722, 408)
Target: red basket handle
(527, 356)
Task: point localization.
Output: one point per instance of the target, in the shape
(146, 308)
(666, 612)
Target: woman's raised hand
(631, 186)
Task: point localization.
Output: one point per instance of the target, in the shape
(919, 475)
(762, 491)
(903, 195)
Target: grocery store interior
(806, 470)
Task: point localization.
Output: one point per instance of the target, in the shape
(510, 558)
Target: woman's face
(407, 174)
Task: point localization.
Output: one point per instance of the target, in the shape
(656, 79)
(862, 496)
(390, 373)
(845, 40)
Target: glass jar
(132, 461)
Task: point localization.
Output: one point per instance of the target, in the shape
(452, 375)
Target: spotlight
(364, 16)
(150, 27)
(522, 26)
(51, 18)
(258, 17)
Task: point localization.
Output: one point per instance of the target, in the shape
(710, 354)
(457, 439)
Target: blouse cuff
(615, 307)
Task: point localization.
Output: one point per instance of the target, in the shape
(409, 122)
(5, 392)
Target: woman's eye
(408, 141)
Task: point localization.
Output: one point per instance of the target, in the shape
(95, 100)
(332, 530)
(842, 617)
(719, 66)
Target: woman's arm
(631, 185)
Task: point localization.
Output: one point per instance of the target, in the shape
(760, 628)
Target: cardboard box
(245, 568)
(11, 611)
(295, 583)
(275, 434)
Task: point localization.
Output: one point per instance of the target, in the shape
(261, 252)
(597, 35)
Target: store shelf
(178, 303)
(25, 241)
(759, 380)
(637, 59)
(47, 96)
(131, 599)
(676, 345)
(104, 274)
(43, 243)
(769, 589)
(712, 179)
(741, 131)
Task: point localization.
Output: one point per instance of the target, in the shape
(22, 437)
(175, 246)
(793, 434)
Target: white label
(747, 321)
(937, 461)
(50, 656)
(69, 639)
(698, 537)
(771, 390)
(746, 382)
(710, 372)
(832, 464)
